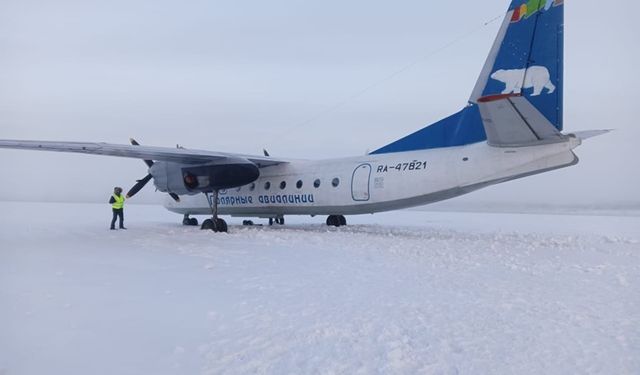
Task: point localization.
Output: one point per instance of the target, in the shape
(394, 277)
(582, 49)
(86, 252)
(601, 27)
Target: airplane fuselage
(377, 183)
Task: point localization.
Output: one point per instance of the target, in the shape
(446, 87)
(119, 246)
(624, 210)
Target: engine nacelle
(200, 178)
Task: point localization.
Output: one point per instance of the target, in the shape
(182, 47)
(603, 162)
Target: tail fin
(526, 59)
(510, 120)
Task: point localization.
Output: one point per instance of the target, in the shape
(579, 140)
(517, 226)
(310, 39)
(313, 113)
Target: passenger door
(360, 183)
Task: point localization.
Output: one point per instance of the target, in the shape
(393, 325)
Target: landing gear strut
(336, 221)
(215, 223)
(190, 221)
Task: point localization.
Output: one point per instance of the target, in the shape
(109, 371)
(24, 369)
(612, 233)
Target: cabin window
(267, 185)
(299, 184)
(283, 185)
(316, 183)
(335, 182)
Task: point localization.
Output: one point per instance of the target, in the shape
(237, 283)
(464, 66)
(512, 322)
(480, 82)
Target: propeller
(149, 163)
(141, 183)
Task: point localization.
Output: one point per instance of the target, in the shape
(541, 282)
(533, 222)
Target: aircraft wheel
(270, 221)
(221, 226)
(333, 221)
(280, 221)
(247, 223)
(342, 220)
(190, 221)
(207, 225)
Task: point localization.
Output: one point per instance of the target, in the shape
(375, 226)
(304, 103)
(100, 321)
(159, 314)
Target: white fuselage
(376, 183)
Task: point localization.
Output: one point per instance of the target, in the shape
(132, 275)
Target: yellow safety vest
(119, 201)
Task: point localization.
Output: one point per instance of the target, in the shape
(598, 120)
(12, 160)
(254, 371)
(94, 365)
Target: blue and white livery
(510, 128)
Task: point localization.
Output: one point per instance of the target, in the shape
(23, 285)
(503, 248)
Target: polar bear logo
(536, 77)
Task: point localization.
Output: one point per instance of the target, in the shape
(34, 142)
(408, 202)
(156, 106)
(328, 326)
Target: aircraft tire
(342, 220)
(190, 221)
(280, 221)
(333, 221)
(207, 225)
(221, 226)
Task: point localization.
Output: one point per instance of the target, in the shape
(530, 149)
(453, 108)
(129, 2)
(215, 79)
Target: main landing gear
(215, 223)
(277, 220)
(336, 221)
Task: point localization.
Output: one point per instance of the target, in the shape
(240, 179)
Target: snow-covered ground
(401, 293)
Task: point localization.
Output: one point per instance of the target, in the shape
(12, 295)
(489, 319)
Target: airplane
(511, 127)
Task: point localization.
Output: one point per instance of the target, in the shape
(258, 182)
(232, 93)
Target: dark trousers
(117, 213)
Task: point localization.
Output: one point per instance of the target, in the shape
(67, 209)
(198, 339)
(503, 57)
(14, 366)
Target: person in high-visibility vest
(117, 205)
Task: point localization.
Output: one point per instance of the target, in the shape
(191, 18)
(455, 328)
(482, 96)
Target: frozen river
(407, 292)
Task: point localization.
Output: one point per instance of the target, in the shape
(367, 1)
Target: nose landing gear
(190, 221)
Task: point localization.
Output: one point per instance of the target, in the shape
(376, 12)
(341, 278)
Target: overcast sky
(289, 76)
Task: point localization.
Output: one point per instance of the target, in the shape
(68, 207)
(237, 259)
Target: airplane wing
(177, 155)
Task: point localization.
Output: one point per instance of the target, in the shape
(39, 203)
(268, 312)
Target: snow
(400, 293)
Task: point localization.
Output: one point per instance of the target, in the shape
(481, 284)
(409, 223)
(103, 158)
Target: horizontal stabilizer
(586, 134)
(512, 121)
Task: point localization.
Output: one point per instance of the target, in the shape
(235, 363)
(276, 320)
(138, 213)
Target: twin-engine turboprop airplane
(510, 128)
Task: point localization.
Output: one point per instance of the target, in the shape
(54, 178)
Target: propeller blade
(149, 163)
(136, 188)
(139, 185)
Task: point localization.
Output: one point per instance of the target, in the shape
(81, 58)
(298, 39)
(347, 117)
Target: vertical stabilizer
(527, 57)
(526, 60)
